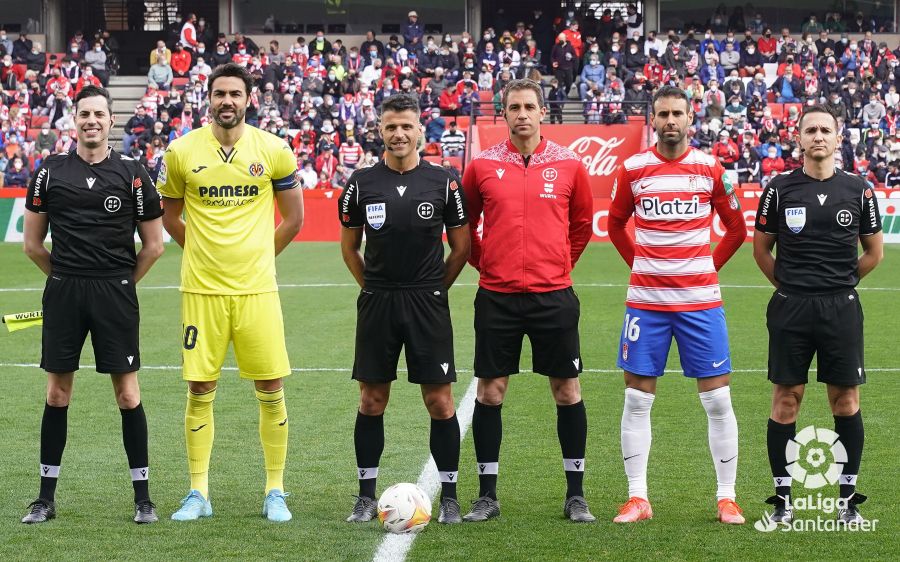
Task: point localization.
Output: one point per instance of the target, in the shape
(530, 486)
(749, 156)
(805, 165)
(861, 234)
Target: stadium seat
(435, 159)
(424, 82)
(485, 95)
(462, 122)
(799, 107)
(180, 83)
(770, 96)
(777, 110)
(38, 120)
(751, 186)
(32, 134)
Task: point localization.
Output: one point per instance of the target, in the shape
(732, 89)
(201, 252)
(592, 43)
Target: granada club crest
(256, 169)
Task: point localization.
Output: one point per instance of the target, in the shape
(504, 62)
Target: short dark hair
(230, 70)
(91, 91)
(670, 92)
(401, 102)
(522, 84)
(818, 108)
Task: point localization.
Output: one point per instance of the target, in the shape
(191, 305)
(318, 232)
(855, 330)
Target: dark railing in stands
(572, 112)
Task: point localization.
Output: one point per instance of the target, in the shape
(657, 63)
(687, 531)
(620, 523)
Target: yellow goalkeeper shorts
(252, 322)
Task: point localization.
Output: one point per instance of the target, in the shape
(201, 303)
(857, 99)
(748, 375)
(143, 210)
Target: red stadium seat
(455, 161)
(770, 97)
(435, 159)
(485, 95)
(32, 134)
(38, 120)
(180, 83)
(777, 110)
(424, 82)
(788, 106)
(462, 122)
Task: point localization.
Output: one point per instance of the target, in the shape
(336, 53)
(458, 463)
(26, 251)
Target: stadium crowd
(748, 84)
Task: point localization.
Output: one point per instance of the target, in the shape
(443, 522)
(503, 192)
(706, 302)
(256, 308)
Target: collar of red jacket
(539, 149)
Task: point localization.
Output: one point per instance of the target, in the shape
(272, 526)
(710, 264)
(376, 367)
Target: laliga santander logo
(595, 153)
(810, 469)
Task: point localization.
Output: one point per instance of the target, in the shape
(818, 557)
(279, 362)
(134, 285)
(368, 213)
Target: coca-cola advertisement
(602, 148)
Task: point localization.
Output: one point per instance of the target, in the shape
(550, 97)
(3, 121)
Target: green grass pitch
(94, 495)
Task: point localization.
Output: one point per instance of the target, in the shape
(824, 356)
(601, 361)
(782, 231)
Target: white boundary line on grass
(339, 285)
(348, 370)
(394, 548)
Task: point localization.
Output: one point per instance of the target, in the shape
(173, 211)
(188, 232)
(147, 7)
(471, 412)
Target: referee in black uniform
(403, 204)
(816, 215)
(92, 199)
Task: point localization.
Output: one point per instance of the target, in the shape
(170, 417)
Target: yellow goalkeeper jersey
(229, 246)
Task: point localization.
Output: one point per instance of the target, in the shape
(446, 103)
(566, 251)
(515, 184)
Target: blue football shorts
(701, 335)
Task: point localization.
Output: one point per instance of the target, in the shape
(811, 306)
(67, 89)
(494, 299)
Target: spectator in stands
(787, 88)
(16, 174)
(221, 56)
(564, 59)
(21, 47)
(188, 37)
(593, 76)
(65, 142)
(59, 105)
(873, 112)
(412, 32)
(794, 160)
(637, 97)
(768, 46)
(135, 127)
(307, 175)
(6, 44)
(726, 151)
(712, 71)
(35, 59)
(205, 35)
(160, 74)
(435, 126)
(748, 167)
(180, 63)
(453, 141)
(892, 179)
(350, 153)
(160, 51)
(249, 44)
(371, 48)
(729, 58)
(96, 58)
(46, 139)
(772, 164)
(320, 44)
(555, 98)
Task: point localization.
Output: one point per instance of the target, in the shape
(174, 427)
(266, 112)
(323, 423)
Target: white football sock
(723, 438)
(636, 439)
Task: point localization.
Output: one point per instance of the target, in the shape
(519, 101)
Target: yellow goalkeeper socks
(273, 433)
(199, 431)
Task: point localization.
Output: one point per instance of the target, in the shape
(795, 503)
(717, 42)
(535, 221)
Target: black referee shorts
(828, 326)
(105, 308)
(417, 319)
(550, 320)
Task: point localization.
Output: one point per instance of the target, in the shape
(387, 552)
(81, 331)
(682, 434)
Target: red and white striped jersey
(672, 202)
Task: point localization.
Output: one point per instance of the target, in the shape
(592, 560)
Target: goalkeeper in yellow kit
(225, 178)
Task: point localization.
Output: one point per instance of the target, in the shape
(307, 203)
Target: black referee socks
(134, 437)
(487, 432)
(368, 439)
(53, 442)
(571, 427)
(444, 442)
(777, 437)
(852, 435)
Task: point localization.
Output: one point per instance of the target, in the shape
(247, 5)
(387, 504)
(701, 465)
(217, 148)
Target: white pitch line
(348, 370)
(394, 548)
(341, 285)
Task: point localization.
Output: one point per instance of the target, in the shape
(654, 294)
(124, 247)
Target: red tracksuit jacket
(537, 219)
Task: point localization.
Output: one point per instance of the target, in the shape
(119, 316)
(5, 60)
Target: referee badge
(376, 213)
(795, 218)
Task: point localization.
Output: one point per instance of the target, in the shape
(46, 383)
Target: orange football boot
(635, 509)
(730, 512)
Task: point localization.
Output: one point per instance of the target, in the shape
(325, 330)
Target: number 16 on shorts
(631, 332)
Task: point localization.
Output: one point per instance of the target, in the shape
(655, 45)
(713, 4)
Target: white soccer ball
(404, 508)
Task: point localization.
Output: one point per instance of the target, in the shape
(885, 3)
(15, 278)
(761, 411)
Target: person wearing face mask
(634, 58)
(250, 45)
(6, 44)
(16, 174)
(160, 74)
(481, 47)
(21, 48)
(593, 76)
(787, 88)
(181, 61)
(772, 164)
(220, 55)
(767, 46)
(748, 166)
(331, 85)
(371, 48)
(564, 59)
(750, 60)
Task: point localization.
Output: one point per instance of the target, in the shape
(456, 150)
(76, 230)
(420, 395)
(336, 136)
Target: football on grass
(404, 508)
